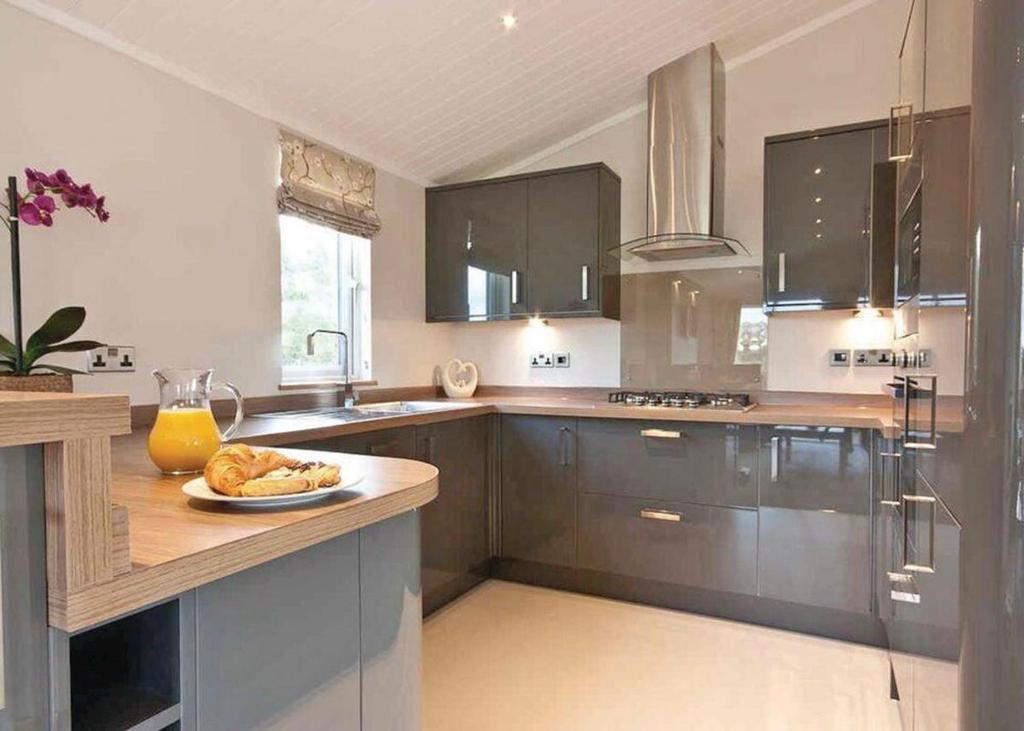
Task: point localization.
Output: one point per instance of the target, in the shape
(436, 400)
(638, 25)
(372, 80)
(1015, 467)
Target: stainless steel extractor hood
(685, 162)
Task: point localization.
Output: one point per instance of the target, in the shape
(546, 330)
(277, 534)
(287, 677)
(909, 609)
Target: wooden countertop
(266, 430)
(178, 543)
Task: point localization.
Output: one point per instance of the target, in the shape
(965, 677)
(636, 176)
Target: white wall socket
(541, 360)
(111, 359)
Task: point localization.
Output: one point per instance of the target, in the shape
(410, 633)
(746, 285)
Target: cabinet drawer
(679, 543)
(711, 464)
(400, 442)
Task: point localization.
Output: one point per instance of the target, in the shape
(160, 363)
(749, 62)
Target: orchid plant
(37, 207)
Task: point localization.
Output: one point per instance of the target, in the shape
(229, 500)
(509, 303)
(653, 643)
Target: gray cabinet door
(476, 250)
(945, 155)
(817, 220)
(814, 539)
(24, 665)
(455, 548)
(564, 240)
(399, 442)
(538, 489)
(678, 543)
(277, 645)
(714, 464)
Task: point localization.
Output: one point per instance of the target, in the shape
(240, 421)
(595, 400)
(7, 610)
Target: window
(325, 284)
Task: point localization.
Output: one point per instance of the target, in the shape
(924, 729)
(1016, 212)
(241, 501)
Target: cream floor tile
(509, 656)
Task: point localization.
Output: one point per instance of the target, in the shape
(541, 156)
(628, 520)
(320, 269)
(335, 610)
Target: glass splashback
(698, 329)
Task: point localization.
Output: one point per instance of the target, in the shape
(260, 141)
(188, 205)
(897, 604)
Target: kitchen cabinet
(538, 489)
(476, 251)
(573, 220)
(672, 542)
(819, 238)
(24, 663)
(397, 442)
(814, 538)
(714, 464)
(532, 244)
(455, 546)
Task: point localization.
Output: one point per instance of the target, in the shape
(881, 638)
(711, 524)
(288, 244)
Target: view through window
(325, 284)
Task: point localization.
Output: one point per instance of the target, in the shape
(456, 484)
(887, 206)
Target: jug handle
(239, 407)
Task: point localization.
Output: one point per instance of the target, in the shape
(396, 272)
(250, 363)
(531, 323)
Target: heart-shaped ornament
(459, 378)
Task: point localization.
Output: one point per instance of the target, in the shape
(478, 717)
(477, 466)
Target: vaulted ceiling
(430, 88)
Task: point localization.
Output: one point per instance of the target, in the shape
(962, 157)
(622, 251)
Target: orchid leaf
(58, 369)
(61, 325)
(7, 347)
(71, 346)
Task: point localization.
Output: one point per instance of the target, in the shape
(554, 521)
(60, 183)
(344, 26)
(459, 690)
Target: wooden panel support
(86, 537)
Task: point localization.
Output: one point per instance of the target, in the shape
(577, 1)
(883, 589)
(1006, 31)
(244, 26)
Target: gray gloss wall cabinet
(532, 244)
(538, 489)
(819, 238)
(455, 547)
(476, 251)
(814, 539)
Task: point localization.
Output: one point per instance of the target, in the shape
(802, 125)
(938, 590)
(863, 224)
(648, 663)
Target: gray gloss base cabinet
(814, 541)
(456, 551)
(455, 528)
(327, 637)
(672, 517)
(538, 489)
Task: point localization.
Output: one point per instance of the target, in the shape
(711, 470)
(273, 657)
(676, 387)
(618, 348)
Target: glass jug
(185, 435)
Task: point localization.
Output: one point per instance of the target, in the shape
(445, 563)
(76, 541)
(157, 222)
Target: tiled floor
(509, 656)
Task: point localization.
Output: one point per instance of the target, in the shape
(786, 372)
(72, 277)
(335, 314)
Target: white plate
(198, 488)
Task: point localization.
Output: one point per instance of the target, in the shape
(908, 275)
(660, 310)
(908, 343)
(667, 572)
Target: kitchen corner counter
(178, 543)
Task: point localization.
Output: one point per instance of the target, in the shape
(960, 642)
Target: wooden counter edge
(37, 418)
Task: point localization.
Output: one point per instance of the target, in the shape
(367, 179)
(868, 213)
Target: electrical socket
(873, 357)
(111, 359)
(541, 360)
(561, 360)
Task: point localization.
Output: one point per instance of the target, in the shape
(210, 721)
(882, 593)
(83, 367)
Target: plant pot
(53, 382)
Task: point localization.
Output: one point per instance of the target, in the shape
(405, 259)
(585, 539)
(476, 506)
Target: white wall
(838, 73)
(187, 269)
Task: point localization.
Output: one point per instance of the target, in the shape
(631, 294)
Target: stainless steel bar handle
(782, 271)
(775, 459)
(661, 434)
(933, 438)
(585, 282)
(897, 150)
(890, 498)
(563, 446)
(469, 234)
(669, 516)
(903, 588)
(515, 286)
(919, 568)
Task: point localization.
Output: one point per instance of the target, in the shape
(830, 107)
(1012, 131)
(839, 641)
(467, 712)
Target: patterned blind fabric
(327, 187)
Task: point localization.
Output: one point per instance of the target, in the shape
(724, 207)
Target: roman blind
(327, 187)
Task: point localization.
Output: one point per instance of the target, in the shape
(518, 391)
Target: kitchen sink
(408, 407)
(361, 413)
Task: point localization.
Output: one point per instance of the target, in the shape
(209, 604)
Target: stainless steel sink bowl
(361, 413)
(408, 407)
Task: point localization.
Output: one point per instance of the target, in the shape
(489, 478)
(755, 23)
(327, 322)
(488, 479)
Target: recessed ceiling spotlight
(509, 20)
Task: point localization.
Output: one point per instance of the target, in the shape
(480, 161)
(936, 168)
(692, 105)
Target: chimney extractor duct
(685, 162)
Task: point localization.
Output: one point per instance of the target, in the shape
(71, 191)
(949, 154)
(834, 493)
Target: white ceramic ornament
(459, 378)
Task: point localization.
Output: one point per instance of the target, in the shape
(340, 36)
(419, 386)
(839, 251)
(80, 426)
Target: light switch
(839, 358)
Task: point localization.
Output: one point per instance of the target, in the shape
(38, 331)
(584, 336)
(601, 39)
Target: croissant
(234, 465)
(239, 471)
